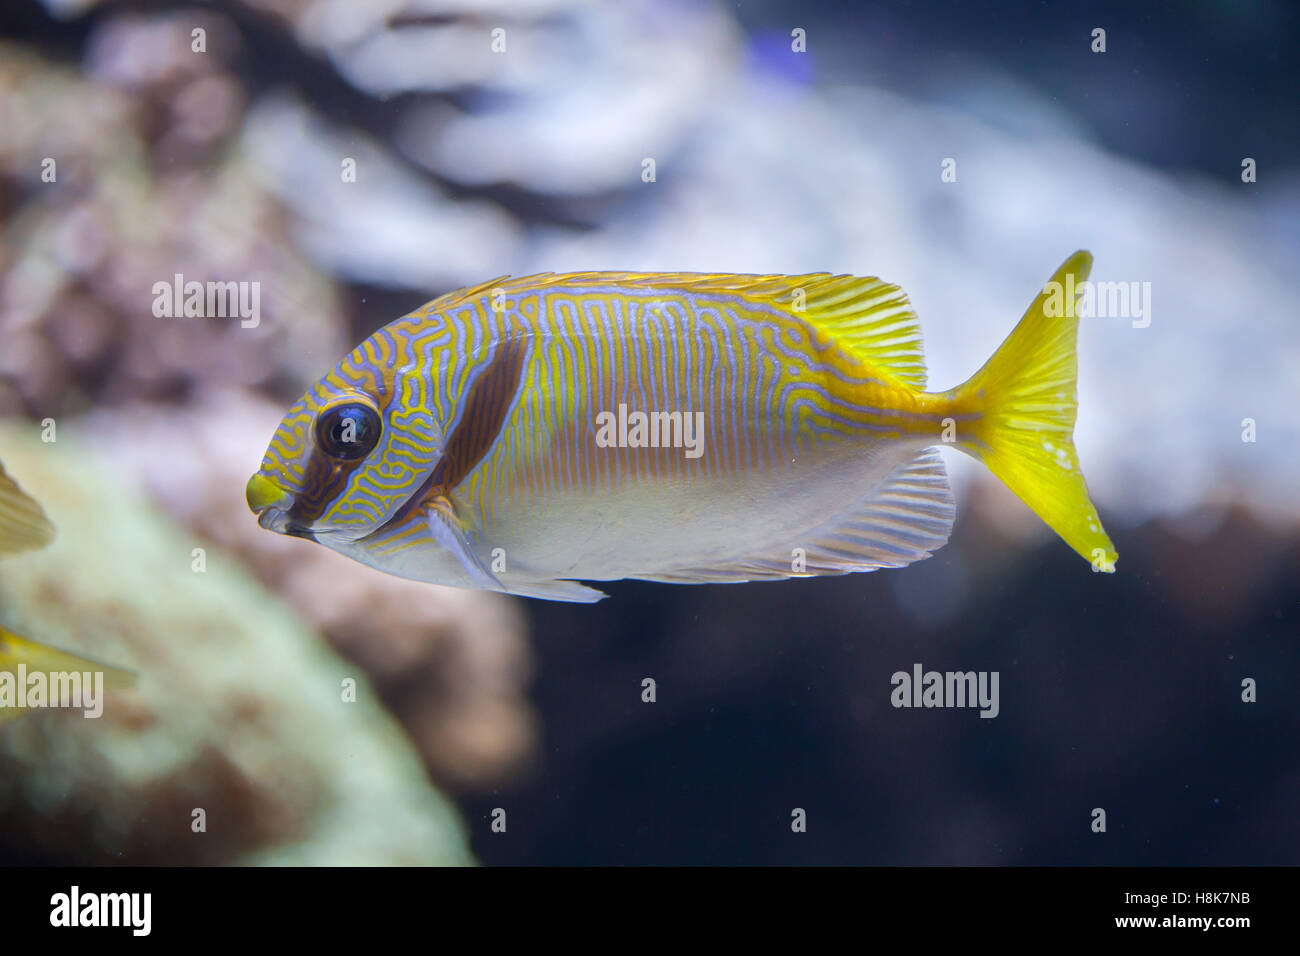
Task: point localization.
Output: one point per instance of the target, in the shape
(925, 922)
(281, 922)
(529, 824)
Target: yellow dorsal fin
(456, 296)
(868, 317)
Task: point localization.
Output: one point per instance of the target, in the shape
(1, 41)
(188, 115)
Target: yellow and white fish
(24, 527)
(678, 427)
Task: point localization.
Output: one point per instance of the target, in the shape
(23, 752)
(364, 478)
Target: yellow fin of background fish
(15, 650)
(1027, 396)
(23, 525)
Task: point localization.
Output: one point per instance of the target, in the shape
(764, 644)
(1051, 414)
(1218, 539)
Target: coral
(239, 709)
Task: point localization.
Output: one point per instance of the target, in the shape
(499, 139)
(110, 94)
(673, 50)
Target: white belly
(642, 527)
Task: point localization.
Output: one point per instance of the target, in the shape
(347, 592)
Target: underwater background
(1122, 692)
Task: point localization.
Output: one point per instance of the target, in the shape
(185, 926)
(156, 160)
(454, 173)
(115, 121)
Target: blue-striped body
(558, 502)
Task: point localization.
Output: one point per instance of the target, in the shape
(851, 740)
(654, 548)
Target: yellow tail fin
(1025, 402)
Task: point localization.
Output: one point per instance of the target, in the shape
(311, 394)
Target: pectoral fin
(449, 534)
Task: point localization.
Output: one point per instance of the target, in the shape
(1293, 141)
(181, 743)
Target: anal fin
(555, 591)
(904, 519)
(448, 534)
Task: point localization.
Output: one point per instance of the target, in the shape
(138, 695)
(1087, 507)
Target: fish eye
(348, 431)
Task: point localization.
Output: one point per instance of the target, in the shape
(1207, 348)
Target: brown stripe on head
(324, 481)
(483, 413)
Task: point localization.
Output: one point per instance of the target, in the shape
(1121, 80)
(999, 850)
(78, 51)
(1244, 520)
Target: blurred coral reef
(239, 712)
(141, 193)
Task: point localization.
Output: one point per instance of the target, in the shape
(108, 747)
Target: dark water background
(1119, 692)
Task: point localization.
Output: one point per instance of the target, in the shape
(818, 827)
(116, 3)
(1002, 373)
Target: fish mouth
(273, 519)
(263, 493)
(272, 504)
(295, 530)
